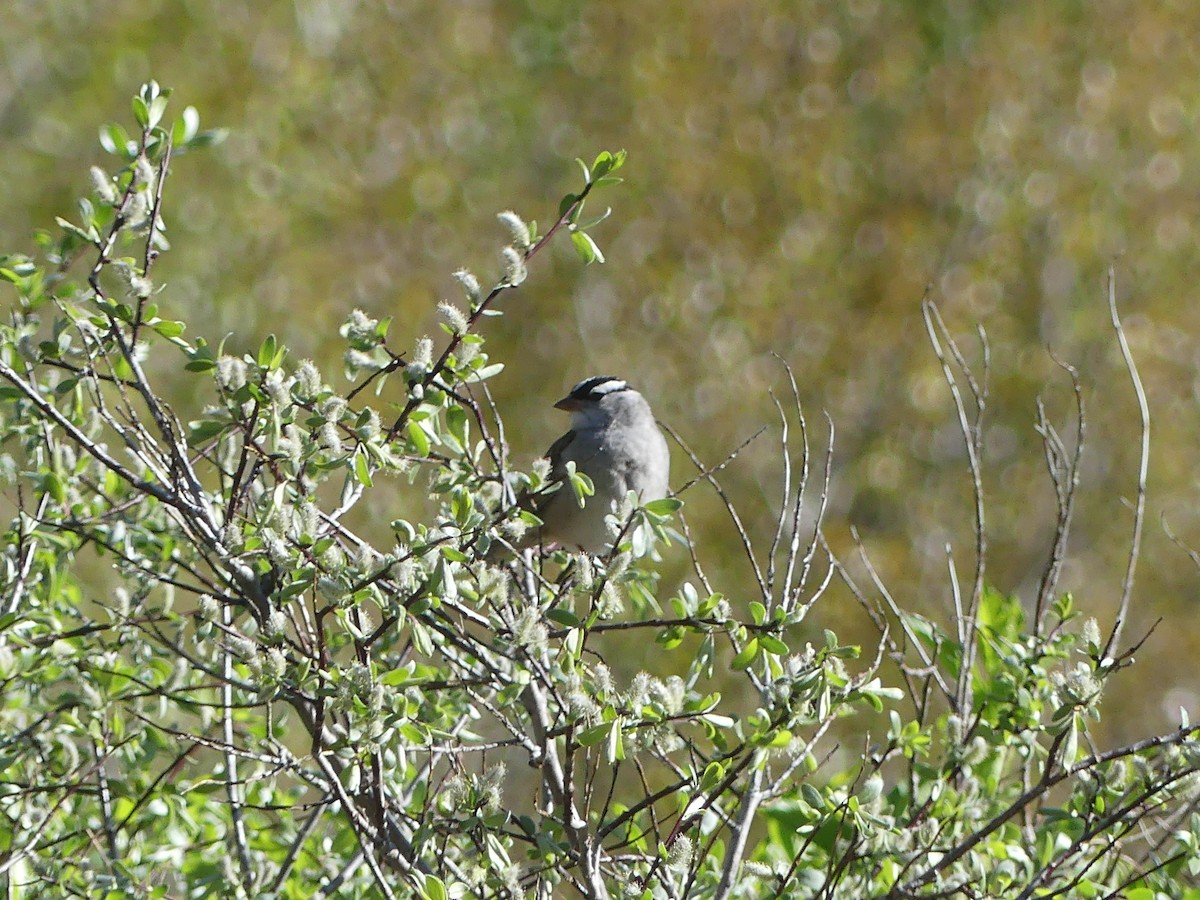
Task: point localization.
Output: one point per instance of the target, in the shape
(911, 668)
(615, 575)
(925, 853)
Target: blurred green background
(799, 173)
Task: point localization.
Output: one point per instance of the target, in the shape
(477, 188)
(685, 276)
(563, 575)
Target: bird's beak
(567, 403)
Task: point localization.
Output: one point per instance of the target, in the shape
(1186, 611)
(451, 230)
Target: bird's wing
(558, 455)
(536, 502)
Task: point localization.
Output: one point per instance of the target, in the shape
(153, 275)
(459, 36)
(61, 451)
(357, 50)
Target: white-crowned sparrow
(615, 442)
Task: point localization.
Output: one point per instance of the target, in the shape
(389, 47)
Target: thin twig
(1135, 543)
(971, 430)
(1048, 780)
(709, 475)
(1064, 475)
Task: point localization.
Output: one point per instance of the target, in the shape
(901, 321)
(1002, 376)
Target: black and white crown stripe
(596, 387)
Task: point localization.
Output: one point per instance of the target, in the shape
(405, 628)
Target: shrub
(262, 700)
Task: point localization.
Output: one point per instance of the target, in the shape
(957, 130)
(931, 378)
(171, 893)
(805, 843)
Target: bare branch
(1135, 545)
(1064, 475)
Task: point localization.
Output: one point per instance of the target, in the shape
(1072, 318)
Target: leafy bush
(264, 699)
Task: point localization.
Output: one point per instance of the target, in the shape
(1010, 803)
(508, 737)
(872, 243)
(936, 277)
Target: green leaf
(589, 737)
(169, 329)
(205, 430)
(718, 721)
(115, 140)
(434, 889)
(447, 584)
(603, 164)
(773, 645)
(781, 738)
(157, 107)
(396, 677)
(141, 112)
(607, 162)
(202, 359)
(580, 483)
(747, 656)
(266, 351)
(362, 469)
(709, 603)
(872, 700)
(90, 236)
(209, 138)
(588, 251)
(563, 617)
(616, 742)
(1002, 613)
(592, 223)
(812, 796)
(670, 637)
(663, 507)
(55, 487)
(1071, 745)
(461, 506)
(419, 438)
(458, 425)
(714, 772)
(484, 373)
(758, 612)
(185, 127)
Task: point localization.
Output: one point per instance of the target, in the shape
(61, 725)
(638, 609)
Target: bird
(615, 441)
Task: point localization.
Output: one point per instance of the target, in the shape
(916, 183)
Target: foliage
(272, 702)
(802, 176)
